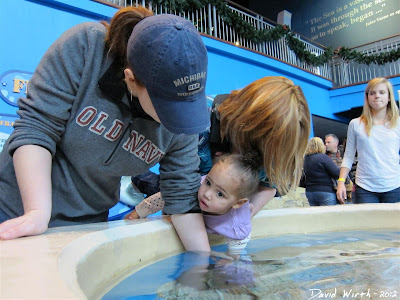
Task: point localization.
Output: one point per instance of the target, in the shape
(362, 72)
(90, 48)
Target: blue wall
(28, 27)
(232, 67)
(344, 98)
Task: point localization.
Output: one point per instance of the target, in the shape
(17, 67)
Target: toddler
(223, 198)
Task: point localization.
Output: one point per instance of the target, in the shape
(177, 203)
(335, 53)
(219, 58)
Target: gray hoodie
(77, 108)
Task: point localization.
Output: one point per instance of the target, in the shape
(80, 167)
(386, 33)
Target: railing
(345, 73)
(208, 21)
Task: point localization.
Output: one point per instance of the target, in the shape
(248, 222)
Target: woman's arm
(349, 154)
(341, 188)
(44, 113)
(190, 227)
(192, 231)
(32, 166)
(261, 198)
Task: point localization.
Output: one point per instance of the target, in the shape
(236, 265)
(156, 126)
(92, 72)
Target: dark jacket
(319, 170)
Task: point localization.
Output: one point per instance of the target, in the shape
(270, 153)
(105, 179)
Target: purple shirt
(235, 224)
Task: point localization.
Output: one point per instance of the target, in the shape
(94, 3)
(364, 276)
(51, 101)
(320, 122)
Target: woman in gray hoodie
(108, 100)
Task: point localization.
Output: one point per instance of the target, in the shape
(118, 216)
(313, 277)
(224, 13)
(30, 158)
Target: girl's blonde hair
(315, 145)
(270, 115)
(392, 112)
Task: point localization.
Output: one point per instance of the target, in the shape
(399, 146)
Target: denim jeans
(321, 198)
(364, 196)
(147, 183)
(3, 216)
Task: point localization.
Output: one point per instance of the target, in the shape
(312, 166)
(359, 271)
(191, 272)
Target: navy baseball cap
(167, 54)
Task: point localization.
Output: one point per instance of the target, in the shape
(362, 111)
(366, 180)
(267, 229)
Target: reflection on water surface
(341, 265)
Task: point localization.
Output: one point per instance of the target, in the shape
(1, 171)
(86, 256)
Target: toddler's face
(219, 190)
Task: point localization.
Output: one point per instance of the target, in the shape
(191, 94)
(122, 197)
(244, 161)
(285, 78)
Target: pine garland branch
(248, 31)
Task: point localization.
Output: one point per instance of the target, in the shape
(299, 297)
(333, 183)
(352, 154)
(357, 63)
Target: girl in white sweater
(375, 136)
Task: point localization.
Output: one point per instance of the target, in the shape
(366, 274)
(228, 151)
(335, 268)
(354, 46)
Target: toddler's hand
(132, 216)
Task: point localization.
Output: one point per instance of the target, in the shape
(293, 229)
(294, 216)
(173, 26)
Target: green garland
(248, 31)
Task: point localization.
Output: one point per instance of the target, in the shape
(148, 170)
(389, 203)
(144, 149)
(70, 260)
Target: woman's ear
(240, 203)
(130, 81)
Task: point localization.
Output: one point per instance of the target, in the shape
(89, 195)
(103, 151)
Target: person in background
(266, 116)
(223, 198)
(108, 100)
(333, 151)
(375, 136)
(332, 144)
(319, 170)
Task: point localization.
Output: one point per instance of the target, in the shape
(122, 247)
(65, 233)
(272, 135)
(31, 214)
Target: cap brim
(183, 117)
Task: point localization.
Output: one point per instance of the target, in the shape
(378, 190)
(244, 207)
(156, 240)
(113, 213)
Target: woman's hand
(32, 223)
(133, 215)
(32, 166)
(192, 231)
(341, 194)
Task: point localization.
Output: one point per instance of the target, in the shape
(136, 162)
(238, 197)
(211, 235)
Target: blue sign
(6, 127)
(13, 85)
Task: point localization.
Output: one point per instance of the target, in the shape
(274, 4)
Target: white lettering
(145, 151)
(317, 293)
(133, 142)
(97, 128)
(190, 78)
(136, 143)
(115, 131)
(193, 86)
(86, 116)
(190, 93)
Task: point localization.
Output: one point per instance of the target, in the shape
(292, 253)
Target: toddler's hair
(246, 168)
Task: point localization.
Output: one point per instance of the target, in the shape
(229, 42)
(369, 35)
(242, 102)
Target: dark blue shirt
(319, 170)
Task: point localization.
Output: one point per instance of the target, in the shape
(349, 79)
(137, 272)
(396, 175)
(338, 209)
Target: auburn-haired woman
(102, 104)
(270, 116)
